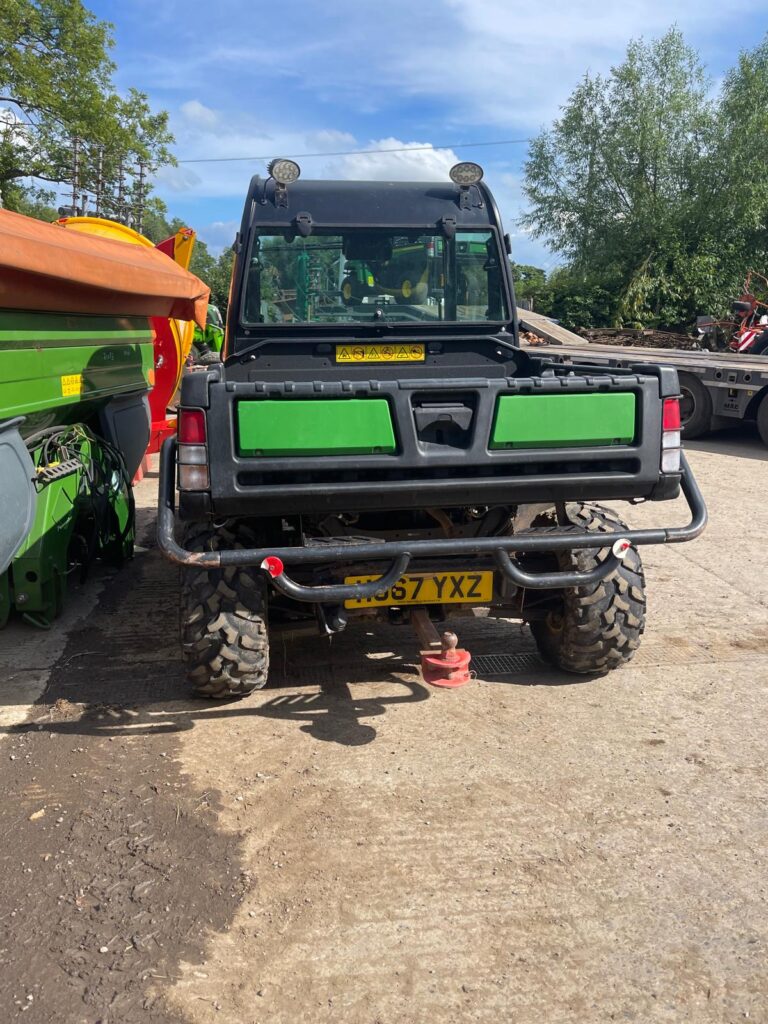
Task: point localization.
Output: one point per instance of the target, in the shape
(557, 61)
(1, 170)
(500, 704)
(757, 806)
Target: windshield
(367, 275)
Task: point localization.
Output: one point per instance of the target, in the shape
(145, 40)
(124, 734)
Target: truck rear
(376, 444)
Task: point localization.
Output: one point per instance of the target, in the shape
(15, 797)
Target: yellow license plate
(410, 353)
(429, 588)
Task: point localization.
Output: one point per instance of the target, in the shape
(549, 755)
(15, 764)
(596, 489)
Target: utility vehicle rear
(377, 444)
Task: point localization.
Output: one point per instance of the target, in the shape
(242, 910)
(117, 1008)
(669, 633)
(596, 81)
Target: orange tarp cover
(46, 267)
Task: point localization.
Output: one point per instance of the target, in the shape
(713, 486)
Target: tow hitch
(443, 662)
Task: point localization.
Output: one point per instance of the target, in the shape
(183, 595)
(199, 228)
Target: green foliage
(578, 301)
(531, 286)
(221, 279)
(655, 194)
(56, 86)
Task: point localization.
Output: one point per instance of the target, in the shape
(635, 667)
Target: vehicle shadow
(329, 699)
(118, 670)
(741, 441)
(330, 704)
(323, 701)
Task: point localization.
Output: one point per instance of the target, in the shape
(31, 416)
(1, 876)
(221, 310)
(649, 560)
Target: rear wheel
(598, 627)
(204, 356)
(762, 419)
(224, 619)
(695, 407)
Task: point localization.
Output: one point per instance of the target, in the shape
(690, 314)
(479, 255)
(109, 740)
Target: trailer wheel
(695, 407)
(598, 627)
(224, 618)
(762, 419)
(204, 357)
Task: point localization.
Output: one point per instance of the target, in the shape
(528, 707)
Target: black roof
(369, 204)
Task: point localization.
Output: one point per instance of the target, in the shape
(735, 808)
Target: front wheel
(595, 628)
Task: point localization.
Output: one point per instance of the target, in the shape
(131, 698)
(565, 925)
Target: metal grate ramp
(505, 664)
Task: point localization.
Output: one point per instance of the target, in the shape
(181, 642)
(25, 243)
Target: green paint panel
(98, 357)
(564, 421)
(355, 426)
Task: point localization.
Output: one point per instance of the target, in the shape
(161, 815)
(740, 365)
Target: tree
(221, 279)
(63, 120)
(531, 286)
(618, 185)
(738, 181)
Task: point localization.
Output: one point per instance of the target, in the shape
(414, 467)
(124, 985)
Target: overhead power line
(353, 152)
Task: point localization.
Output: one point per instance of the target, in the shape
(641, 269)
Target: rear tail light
(192, 426)
(670, 437)
(193, 478)
(193, 455)
(671, 416)
(192, 452)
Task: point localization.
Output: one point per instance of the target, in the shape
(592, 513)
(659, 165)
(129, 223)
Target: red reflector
(192, 426)
(273, 565)
(671, 419)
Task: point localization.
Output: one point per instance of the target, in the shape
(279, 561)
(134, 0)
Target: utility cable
(355, 152)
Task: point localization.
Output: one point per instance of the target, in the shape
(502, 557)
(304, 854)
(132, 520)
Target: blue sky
(244, 78)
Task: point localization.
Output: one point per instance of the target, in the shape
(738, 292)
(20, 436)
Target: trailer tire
(204, 357)
(762, 419)
(224, 639)
(600, 625)
(695, 407)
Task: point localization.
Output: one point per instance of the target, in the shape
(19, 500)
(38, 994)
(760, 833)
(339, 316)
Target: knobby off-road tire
(224, 618)
(202, 358)
(599, 626)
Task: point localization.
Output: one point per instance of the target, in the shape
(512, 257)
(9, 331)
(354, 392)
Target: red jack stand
(444, 663)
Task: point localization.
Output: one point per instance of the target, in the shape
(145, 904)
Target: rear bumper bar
(400, 553)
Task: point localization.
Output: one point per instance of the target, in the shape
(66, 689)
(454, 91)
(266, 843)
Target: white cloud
(196, 113)
(222, 173)
(413, 162)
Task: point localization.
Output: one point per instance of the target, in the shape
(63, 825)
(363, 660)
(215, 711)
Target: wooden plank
(546, 328)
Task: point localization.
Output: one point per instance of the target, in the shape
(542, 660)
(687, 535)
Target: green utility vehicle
(377, 445)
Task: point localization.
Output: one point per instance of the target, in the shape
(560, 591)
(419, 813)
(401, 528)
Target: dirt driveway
(349, 846)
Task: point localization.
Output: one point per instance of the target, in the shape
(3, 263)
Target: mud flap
(18, 500)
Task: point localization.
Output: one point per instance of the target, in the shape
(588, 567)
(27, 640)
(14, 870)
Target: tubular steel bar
(555, 580)
(406, 550)
(341, 591)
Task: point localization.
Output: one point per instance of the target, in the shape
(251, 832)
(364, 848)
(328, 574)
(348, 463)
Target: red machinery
(173, 338)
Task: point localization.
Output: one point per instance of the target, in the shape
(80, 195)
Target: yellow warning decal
(71, 384)
(412, 352)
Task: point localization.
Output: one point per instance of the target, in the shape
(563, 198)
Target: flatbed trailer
(718, 388)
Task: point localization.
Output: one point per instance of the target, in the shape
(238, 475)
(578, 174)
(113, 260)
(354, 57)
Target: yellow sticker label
(71, 384)
(412, 352)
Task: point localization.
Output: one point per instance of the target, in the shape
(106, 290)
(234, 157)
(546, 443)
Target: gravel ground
(351, 846)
